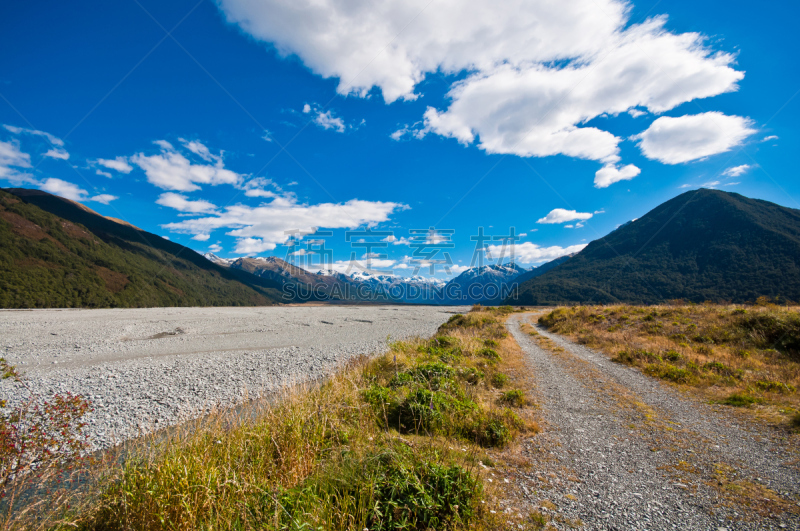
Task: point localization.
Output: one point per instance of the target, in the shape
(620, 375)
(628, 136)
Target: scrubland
(745, 357)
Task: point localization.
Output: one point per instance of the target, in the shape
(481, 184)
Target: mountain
(703, 245)
(488, 284)
(58, 253)
(542, 269)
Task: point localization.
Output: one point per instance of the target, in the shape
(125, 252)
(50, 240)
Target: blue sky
(223, 125)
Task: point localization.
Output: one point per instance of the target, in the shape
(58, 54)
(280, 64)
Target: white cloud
(54, 140)
(561, 215)
(530, 253)
(170, 170)
(72, 191)
(104, 173)
(182, 204)
(63, 189)
(610, 174)
(326, 120)
(523, 234)
(256, 188)
(201, 237)
(202, 151)
(770, 137)
(215, 248)
(57, 153)
(458, 269)
(103, 198)
(119, 164)
(13, 162)
(736, 171)
(260, 228)
(685, 138)
(538, 70)
(636, 113)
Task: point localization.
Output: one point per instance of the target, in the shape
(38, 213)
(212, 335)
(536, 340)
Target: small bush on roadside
(775, 387)
(488, 353)
(669, 372)
(514, 398)
(389, 489)
(796, 420)
(499, 380)
(741, 400)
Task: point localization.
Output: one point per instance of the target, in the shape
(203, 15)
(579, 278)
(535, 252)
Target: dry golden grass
(730, 354)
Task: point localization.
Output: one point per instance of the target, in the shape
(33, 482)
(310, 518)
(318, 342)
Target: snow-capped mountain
(217, 260)
(485, 284)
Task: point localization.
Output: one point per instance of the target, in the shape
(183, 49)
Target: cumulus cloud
(215, 248)
(561, 215)
(537, 70)
(57, 153)
(63, 189)
(610, 174)
(530, 253)
(171, 170)
(72, 191)
(691, 137)
(119, 164)
(260, 228)
(182, 204)
(736, 171)
(14, 162)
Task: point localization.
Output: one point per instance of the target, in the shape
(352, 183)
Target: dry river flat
(144, 369)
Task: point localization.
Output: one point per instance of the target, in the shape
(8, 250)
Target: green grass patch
(741, 400)
(499, 380)
(514, 398)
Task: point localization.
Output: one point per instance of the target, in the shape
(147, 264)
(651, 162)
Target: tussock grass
(735, 355)
(397, 441)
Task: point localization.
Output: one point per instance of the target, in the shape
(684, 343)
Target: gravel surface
(144, 369)
(620, 450)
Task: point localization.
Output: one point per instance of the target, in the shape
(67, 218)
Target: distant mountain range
(704, 245)
(56, 253)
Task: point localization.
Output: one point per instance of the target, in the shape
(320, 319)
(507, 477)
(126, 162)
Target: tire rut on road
(620, 450)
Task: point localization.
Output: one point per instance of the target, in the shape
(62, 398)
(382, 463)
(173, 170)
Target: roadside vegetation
(400, 441)
(738, 356)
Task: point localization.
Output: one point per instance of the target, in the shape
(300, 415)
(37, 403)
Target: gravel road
(145, 369)
(620, 450)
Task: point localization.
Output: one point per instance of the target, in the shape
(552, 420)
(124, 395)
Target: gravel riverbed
(620, 450)
(145, 369)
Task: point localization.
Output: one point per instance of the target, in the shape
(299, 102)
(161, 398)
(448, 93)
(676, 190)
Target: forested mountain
(57, 253)
(704, 245)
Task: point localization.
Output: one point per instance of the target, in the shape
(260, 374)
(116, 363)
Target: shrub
(672, 355)
(741, 400)
(499, 380)
(39, 434)
(775, 387)
(426, 411)
(669, 372)
(514, 398)
(796, 421)
(491, 343)
(630, 357)
(774, 329)
(488, 353)
(493, 429)
(472, 375)
(389, 489)
(432, 374)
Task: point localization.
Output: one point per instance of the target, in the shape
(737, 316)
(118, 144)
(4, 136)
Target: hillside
(57, 253)
(704, 245)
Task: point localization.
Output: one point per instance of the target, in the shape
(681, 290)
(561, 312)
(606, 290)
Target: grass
(393, 442)
(733, 355)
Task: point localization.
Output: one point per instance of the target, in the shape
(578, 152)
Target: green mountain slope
(57, 253)
(704, 245)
